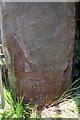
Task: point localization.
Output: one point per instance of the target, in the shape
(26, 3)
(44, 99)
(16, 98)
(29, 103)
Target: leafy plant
(14, 108)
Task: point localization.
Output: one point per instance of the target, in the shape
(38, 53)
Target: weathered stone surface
(40, 36)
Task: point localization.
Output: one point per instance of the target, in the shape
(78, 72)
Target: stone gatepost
(38, 41)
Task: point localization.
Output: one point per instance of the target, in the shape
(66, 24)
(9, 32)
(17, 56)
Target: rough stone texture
(40, 38)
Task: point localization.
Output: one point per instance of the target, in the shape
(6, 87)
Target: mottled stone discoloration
(41, 38)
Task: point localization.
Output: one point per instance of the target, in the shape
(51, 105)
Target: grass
(67, 106)
(14, 108)
(65, 109)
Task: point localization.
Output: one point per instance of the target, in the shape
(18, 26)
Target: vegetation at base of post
(14, 107)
